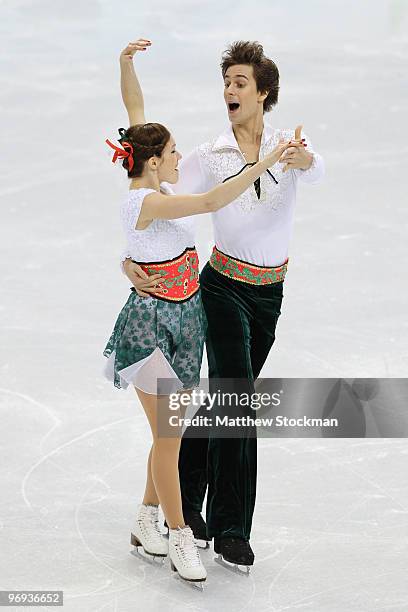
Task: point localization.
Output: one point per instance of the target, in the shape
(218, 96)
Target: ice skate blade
(148, 556)
(232, 567)
(197, 583)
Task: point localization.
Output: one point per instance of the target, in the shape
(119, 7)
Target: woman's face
(168, 164)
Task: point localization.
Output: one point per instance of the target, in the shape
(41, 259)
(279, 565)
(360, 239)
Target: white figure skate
(197, 524)
(184, 555)
(147, 533)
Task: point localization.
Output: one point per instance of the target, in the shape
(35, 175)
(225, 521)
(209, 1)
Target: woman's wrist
(265, 164)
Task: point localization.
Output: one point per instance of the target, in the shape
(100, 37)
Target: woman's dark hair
(266, 73)
(147, 139)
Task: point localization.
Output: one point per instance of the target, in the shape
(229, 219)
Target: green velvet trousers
(241, 330)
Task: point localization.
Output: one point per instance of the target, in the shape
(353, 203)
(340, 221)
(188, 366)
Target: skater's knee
(167, 445)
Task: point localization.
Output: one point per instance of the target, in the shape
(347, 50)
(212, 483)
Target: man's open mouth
(233, 106)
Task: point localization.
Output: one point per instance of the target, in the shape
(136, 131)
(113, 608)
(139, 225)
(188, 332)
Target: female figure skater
(162, 335)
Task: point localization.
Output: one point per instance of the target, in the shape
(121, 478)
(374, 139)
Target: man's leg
(193, 469)
(264, 323)
(231, 461)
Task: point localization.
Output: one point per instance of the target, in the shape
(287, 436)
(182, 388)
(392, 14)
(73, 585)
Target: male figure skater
(242, 285)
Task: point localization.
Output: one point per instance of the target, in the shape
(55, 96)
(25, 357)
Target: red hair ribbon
(122, 153)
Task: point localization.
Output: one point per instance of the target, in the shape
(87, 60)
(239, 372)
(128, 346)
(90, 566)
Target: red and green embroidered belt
(246, 272)
(180, 276)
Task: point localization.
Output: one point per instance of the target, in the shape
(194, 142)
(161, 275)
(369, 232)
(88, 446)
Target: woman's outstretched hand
(139, 45)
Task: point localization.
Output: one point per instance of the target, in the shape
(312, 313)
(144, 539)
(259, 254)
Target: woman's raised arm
(132, 94)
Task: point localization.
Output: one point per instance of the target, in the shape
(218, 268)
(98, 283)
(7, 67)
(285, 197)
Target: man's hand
(139, 45)
(143, 283)
(297, 157)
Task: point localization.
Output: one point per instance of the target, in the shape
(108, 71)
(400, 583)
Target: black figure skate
(232, 553)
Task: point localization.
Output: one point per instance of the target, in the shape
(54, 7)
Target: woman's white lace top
(162, 239)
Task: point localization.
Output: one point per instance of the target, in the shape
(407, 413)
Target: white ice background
(330, 527)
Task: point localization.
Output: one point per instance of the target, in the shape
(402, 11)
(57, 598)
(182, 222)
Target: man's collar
(226, 140)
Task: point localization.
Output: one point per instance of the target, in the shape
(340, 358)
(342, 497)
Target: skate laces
(151, 514)
(188, 546)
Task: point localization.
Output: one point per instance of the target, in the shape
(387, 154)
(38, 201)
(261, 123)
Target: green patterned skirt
(153, 339)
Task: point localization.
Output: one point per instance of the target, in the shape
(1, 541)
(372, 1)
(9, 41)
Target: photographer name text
(247, 421)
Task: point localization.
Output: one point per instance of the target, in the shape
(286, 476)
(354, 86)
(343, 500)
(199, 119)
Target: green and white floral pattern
(178, 329)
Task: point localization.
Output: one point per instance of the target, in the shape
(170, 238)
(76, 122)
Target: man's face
(241, 96)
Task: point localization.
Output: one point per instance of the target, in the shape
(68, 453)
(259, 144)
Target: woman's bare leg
(163, 465)
(150, 495)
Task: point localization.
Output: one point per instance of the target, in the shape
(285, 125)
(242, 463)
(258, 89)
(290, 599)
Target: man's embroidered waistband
(246, 272)
(180, 276)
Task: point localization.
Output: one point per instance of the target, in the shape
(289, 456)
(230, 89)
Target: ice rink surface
(330, 527)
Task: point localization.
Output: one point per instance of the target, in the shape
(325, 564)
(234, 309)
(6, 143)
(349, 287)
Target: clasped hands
(297, 157)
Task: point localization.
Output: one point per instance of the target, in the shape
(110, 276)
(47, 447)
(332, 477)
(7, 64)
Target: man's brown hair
(266, 73)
